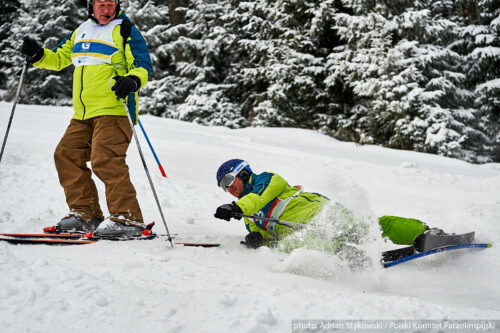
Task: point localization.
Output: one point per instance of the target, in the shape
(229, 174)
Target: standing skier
(112, 62)
(269, 195)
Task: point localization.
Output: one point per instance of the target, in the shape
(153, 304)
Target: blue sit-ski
(442, 249)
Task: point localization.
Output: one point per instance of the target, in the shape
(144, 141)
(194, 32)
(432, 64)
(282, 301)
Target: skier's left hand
(227, 211)
(125, 85)
(253, 240)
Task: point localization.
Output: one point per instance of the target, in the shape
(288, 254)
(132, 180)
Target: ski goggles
(230, 178)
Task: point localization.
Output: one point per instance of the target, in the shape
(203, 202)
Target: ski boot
(73, 224)
(110, 229)
(435, 232)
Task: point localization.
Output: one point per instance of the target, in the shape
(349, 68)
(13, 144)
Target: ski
(398, 253)
(144, 236)
(199, 244)
(54, 236)
(51, 236)
(55, 231)
(427, 242)
(63, 239)
(146, 233)
(45, 241)
(433, 251)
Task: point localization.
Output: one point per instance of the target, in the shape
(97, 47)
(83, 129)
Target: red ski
(55, 231)
(45, 241)
(52, 236)
(199, 244)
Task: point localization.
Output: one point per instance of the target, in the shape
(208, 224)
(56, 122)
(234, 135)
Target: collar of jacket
(248, 186)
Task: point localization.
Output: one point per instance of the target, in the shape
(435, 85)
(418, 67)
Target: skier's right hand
(32, 49)
(227, 211)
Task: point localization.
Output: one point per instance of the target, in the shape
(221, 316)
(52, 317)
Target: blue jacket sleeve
(140, 63)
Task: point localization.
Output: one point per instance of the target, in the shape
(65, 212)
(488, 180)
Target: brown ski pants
(103, 141)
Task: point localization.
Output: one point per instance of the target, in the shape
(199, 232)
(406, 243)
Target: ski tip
(90, 235)
(50, 230)
(489, 245)
(147, 233)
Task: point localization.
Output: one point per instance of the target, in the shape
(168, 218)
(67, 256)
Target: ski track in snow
(148, 286)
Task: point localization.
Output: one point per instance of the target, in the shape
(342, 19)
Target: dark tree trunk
(177, 13)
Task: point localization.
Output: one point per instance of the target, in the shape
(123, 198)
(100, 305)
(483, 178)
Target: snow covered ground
(147, 286)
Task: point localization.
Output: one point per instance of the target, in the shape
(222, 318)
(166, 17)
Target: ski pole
(292, 225)
(147, 171)
(152, 150)
(23, 70)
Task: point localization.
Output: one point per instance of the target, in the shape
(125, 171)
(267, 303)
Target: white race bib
(94, 43)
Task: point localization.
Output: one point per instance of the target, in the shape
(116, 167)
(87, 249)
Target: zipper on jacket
(81, 91)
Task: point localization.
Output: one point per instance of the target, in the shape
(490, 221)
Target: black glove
(253, 240)
(227, 211)
(125, 85)
(31, 49)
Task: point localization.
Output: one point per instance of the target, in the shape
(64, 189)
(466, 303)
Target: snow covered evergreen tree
(193, 51)
(207, 53)
(49, 22)
(408, 81)
(8, 12)
(282, 50)
(358, 64)
(152, 18)
(421, 75)
(480, 44)
(439, 120)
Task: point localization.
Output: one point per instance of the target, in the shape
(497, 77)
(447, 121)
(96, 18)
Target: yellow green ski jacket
(98, 54)
(269, 195)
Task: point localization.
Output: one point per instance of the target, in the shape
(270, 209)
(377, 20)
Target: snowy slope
(148, 286)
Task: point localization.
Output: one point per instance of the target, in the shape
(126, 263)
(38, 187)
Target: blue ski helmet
(230, 166)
